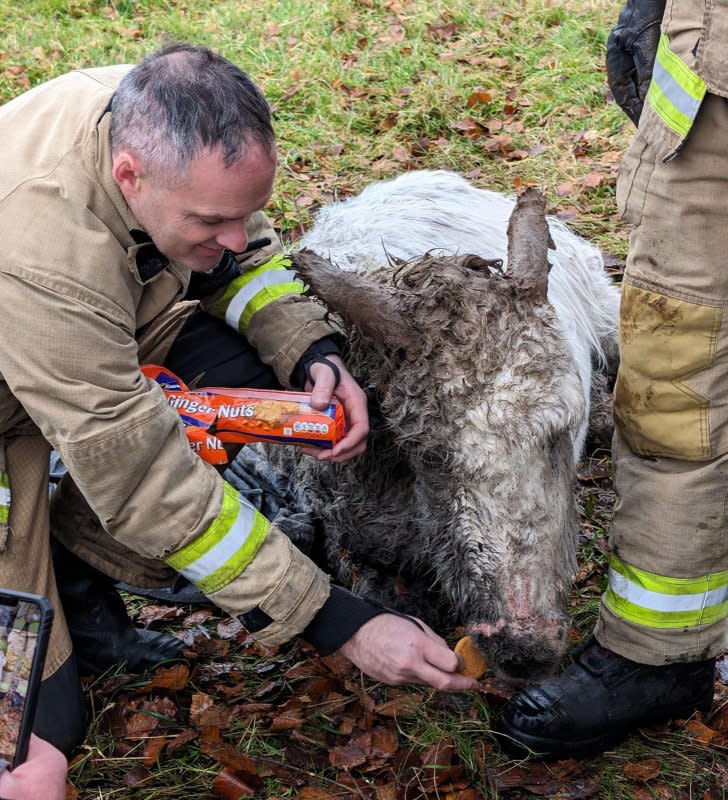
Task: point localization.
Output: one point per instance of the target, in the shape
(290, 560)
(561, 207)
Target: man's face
(193, 223)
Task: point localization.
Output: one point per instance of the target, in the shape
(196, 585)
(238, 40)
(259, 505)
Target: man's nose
(233, 237)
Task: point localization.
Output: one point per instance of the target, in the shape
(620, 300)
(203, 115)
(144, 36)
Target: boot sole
(519, 744)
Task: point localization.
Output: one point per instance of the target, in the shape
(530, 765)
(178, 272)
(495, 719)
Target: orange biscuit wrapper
(216, 415)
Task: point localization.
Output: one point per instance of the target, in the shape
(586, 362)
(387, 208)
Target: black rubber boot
(598, 700)
(62, 712)
(102, 633)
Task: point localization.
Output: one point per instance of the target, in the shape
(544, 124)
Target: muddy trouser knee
(667, 598)
(202, 351)
(26, 565)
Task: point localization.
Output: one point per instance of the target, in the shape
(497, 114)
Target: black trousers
(207, 352)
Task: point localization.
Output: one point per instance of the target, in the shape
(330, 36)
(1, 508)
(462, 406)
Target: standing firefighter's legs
(663, 617)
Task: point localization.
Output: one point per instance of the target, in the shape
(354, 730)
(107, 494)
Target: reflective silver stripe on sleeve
(241, 299)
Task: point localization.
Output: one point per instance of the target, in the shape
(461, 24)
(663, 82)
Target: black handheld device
(25, 627)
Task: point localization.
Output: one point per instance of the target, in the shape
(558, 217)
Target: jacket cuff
(328, 346)
(278, 594)
(338, 619)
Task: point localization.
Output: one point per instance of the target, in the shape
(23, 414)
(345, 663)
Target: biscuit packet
(214, 416)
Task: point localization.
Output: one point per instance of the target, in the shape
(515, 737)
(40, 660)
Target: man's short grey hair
(183, 100)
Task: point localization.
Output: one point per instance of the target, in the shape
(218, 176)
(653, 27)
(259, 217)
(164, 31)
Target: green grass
(362, 90)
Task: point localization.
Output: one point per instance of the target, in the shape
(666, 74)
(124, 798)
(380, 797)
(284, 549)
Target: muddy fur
(462, 509)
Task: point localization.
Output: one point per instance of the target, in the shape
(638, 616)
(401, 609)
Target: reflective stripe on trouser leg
(658, 601)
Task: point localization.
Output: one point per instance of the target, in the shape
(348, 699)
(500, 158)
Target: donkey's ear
(528, 243)
(370, 308)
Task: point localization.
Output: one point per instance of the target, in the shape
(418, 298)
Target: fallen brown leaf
(469, 126)
(564, 189)
(149, 614)
(478, 97)
(227, 786)
(152, 749)
(290, 716)
(230, 628)
(387, 791)
(701, 732)
(200, 702)
(645, 770)
(442, 31)
(347, 755)
(197, 618)
(719, 720)
(212, 648)
(592, 180)
(174, 678)
(338, 664)
(181, 739)
(138, 775)
(403, 705)
(147, 716)
(385, 742)
(317, 793)
(232, 759)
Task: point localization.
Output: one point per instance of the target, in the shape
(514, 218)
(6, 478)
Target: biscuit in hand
(474, 662)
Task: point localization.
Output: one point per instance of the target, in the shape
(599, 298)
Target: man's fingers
(323, 386)
(446, 681)
(440, 656)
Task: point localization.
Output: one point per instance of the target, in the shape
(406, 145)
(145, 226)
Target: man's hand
(354, 401)
(43, 774)
(631, 50)
(394, 650)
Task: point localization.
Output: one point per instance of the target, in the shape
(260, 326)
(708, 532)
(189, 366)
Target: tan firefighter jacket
(692, 59)
(74, 301)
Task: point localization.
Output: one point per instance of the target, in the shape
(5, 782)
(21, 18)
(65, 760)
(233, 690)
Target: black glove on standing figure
(631, 50)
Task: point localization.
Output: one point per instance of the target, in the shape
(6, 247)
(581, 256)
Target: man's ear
(126, 169)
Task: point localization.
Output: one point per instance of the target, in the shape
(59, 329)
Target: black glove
(631, 50)
(316, 354)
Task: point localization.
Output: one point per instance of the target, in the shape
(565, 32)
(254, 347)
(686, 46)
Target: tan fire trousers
(668, 589)
(25, 557)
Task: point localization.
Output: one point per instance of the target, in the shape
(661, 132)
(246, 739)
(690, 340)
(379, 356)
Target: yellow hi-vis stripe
(253, 290)
(675, 92)
(4, 498)
(226, 548)
(656, 601)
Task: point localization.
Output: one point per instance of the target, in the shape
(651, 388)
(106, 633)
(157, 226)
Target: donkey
(478, 347)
